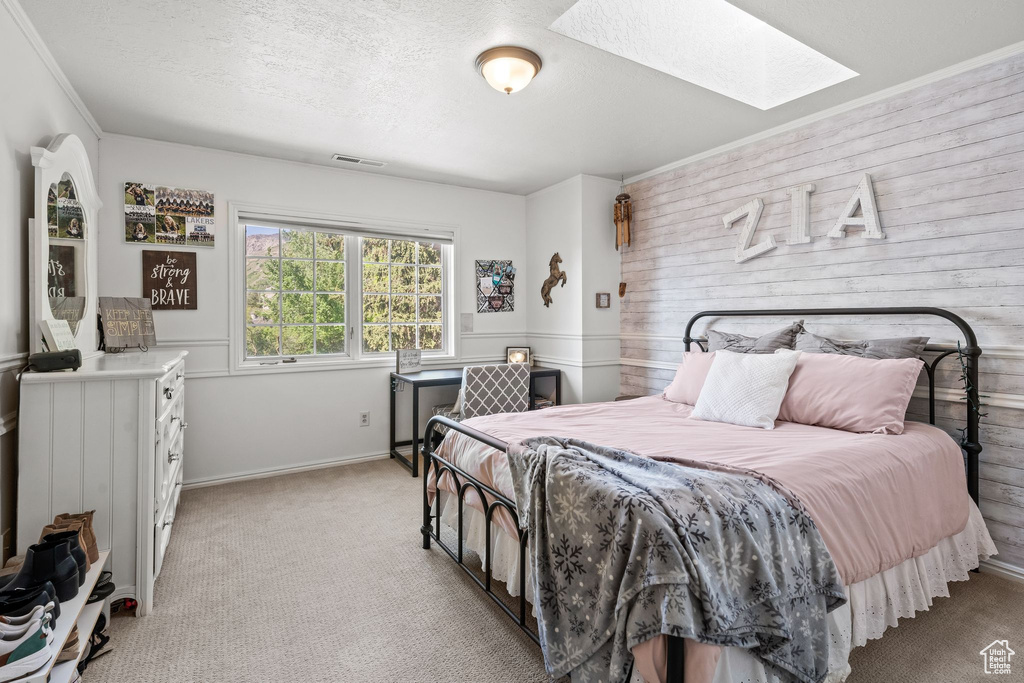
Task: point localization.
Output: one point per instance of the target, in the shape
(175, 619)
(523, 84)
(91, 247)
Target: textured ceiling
(394, 79)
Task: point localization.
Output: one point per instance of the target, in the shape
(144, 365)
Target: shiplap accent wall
(947, 162)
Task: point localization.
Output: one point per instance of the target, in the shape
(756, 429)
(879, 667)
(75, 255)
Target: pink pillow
(854, 394)
(690, 376)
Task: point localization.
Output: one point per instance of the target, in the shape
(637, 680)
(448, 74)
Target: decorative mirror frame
(65, 154)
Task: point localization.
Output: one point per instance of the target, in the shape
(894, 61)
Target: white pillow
(745, 389)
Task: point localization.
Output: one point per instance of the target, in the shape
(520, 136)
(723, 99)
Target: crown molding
(23, 22)
(953, 70)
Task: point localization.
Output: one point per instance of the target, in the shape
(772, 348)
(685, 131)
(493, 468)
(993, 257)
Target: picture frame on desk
(408, 360)
(518, 354)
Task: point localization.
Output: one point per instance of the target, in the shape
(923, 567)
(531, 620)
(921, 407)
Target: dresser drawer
(169, 386)
(169, 450)
(165, 522)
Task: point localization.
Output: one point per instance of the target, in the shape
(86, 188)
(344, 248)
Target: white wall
(574, 218)
(947, 163)
(33, 109)
(601, 270)
(553, 218)
(240, 425)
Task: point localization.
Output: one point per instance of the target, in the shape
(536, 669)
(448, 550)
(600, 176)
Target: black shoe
(21, 601)
(49, 561)
(77, 551)
(6, 590)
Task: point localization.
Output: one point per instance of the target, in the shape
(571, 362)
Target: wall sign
(169, 280)
(126, 322)
(495, 286)
(408, 360)
(155, 214)
(863, 199)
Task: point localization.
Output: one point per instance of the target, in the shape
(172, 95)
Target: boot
(71, 525)
(49, 561)
(77, 552)
(91, 551)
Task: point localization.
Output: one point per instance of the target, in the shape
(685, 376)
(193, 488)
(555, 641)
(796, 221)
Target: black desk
(440, 378)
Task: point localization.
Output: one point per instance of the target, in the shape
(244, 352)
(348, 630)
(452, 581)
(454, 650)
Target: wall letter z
(752, 210)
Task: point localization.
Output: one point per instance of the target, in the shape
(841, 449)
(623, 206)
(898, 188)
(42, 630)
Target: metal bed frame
(492, 499)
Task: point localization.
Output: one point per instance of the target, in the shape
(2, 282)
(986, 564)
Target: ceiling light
(508, 69)
(710, 43)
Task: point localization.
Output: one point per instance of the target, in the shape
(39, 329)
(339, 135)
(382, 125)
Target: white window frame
(239, 215)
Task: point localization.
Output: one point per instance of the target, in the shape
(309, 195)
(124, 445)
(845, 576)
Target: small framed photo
(604, 300)
(518, 354)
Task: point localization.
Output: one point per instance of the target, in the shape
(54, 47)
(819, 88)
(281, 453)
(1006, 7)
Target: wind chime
(623, 215)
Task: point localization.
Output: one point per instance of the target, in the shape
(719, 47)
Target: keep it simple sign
(169, 279)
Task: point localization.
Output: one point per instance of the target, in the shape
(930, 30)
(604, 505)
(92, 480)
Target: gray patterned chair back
(490, 389)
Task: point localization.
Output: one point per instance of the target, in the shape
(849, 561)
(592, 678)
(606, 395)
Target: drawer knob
(175, 417)
(179, 375)
(171, 456)
(168, 392)
(184, 425)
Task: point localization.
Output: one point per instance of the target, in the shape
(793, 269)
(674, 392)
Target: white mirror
(62, 268)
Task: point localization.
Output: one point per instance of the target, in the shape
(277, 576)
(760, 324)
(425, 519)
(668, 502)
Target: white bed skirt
(874, 604)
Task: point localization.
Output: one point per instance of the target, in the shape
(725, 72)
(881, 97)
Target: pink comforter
(877, 499)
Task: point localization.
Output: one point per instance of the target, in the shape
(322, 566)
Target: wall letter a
(864, 197)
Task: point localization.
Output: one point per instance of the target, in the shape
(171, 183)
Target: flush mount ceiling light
(707, 42)
(508, 69)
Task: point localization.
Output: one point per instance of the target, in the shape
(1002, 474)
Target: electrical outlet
(364, 418)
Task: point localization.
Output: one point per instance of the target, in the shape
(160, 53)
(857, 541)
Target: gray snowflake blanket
(624, 548)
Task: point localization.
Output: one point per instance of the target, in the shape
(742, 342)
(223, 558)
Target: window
(315, 293)
(295, 292)
(401, 295)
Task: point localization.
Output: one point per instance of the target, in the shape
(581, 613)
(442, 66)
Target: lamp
(508, 69)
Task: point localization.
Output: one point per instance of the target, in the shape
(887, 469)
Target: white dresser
(109, 437)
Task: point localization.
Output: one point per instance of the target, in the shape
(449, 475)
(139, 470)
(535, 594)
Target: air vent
(356, 160)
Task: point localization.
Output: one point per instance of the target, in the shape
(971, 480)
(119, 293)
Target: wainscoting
(947, 163)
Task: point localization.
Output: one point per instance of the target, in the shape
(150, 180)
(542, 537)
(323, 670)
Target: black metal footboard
(491, 500)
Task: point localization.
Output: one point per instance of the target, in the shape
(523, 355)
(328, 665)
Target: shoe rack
(72, 612)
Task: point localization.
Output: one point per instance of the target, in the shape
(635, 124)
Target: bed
(897, 512)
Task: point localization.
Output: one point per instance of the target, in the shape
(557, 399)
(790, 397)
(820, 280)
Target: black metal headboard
(969, 353)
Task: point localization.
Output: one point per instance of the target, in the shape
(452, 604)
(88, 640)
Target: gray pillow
(768, 343)
(899, 347)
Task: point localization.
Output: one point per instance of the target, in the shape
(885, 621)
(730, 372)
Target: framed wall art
(495, 286)
(156, 214)
(169, 280)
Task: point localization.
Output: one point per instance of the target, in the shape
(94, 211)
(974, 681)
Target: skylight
(707, 42)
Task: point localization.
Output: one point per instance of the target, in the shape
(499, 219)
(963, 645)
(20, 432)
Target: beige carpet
(320, 577)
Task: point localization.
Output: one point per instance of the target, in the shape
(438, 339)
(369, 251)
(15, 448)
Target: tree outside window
(401, 295)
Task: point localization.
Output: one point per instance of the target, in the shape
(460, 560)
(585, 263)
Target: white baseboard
(279, 471)
(1007, 571)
